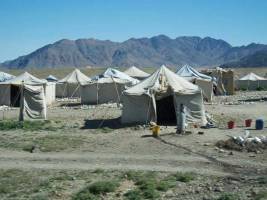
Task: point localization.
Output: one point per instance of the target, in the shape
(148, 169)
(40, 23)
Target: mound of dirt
(231, 144)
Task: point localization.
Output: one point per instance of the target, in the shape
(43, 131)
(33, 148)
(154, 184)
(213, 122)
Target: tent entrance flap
(166, 114)
(15, 95)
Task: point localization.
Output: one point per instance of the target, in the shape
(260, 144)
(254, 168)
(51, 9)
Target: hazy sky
(26, 25)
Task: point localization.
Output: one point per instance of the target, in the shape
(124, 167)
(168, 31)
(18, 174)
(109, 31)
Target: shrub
(26, 125)
(184, 177)
(150, 193)
(133, 195)
(98, 171)
(228, 196)
(84, 195)
(103, 187)
(261, 195)
(262, 180)
(164, 185)
(260, 88)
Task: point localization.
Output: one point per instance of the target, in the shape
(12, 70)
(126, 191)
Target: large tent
(205, 82)
(160, 97)
(70, 85)
(5, 76)
(10, 91)
(106, 87)
(136, 73)
(251, 81)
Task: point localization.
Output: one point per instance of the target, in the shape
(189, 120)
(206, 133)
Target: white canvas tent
(136, 73)
(189, 73)
(251, 81)
(5, 76)
(113, 73)
(51, 78)
(70, 85)
(10, 91)
(159, 97)
(106, 87)
(205, 82)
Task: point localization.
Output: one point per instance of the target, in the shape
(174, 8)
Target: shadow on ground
(103, 123)
(70, 104)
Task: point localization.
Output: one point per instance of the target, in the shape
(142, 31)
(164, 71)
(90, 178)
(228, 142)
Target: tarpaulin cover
(33, 104)
(5, 76)
(113, 73)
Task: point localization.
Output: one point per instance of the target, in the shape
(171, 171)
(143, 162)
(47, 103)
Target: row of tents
(157, 97)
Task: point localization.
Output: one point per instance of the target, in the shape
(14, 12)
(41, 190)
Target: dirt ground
(87, 138)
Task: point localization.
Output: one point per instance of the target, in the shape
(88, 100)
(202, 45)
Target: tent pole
(97, 92)
(21, 117)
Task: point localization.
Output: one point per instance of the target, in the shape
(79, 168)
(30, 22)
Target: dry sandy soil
(89, 138)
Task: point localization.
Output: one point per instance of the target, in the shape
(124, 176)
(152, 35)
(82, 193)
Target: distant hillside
(258, 59)
(146, 52)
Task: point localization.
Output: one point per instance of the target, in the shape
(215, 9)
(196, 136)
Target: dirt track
(91, 138)
(126, 147)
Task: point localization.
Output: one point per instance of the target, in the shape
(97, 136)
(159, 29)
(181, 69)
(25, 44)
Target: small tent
(189, 73)
(159, 98)
(136, 73)
(5, 76)
(205, 82)
(106, 87)
(225, 84)
(113, 73)
(10, 91)
(51, 78)
(70, 85)
(251, 81)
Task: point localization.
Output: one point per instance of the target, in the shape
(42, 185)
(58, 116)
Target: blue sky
(26, 25)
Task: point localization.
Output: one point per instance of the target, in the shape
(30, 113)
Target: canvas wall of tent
(159, 97)
(69, 86)
(251, 81)
(10, 91)
(225, 84)
(106, 87)
(32, 103)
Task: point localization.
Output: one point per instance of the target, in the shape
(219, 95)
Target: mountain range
(146, 52)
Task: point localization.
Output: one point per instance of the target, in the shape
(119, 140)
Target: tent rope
(148, 109)
(118, 100)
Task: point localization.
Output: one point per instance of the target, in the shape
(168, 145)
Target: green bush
(228, 196)
(98, 171)
(260, 88)
(26, 125)
(84, 195)
(262, 180)
(133, 195)
(164, 185)
(103, 187)
(184, 177)
(150, 193)
(261, 195)
(148, 186)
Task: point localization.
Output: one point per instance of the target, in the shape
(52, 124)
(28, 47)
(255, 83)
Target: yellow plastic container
(155, 130)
